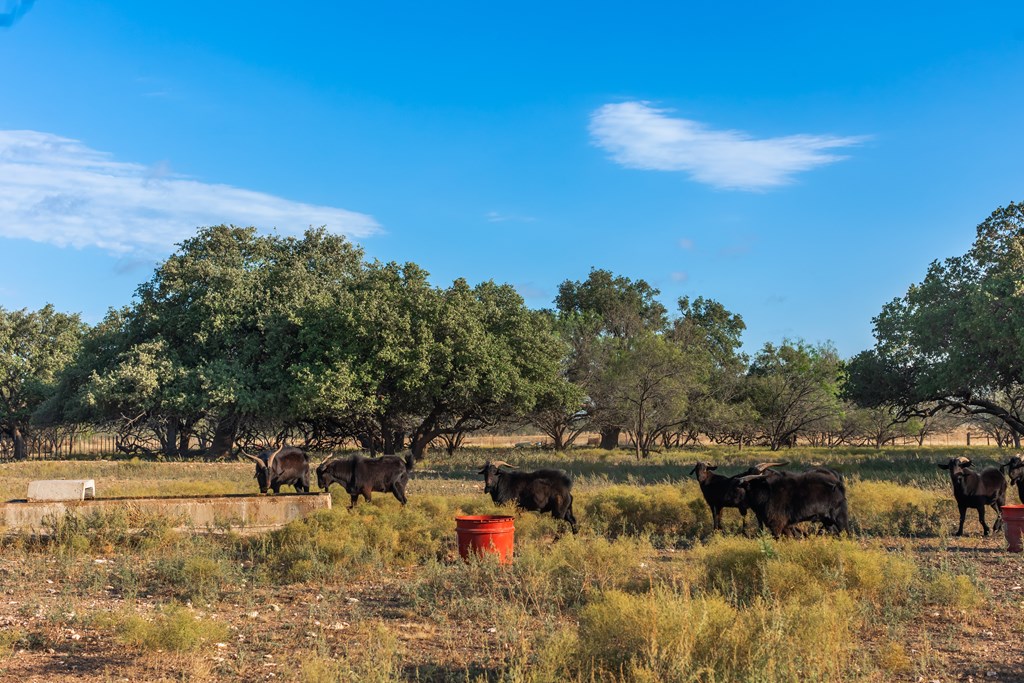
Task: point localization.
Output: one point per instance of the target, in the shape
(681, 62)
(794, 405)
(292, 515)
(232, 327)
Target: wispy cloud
(680, 276)
(638, 135)
(59, 191)
(496, 217)
(12, 10)
(686, 243)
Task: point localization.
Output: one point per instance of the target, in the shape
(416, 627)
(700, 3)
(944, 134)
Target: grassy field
(645, 592)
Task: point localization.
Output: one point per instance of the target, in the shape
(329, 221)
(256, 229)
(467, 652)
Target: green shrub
(672, 636)
(807, 569)
(544, 580)
(198, 573)
(173, 629)
(342, 542)
(105, 531)
(662, 511)
(884, 508)
(958, 591)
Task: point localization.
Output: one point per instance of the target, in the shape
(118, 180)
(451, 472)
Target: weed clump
(105, 531)
(883, 508)
(663, 512)
(666, 635)
(338, 542)
(173, 629)
(373, 655)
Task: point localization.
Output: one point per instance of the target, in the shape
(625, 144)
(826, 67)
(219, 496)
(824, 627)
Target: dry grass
(644, 593)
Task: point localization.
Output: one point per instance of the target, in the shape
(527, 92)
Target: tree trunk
(610, 438)
(393, 441)
(20, 450)
(1016, 439)
(184, 436)
(420, 441)
(170, 440)
(224, 436)
(388, 447)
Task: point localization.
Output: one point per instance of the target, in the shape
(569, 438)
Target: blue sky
(800, 163)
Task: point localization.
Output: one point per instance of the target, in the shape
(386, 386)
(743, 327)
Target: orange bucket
(1013, 526)
(493, 534)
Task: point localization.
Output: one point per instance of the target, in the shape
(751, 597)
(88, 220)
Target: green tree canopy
(34, 347)
(595, 316)
(955, 341)
(794, 387)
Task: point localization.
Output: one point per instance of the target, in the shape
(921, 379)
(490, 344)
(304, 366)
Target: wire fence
(74, 442)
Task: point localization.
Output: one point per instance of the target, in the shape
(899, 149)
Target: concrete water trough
(242, 513)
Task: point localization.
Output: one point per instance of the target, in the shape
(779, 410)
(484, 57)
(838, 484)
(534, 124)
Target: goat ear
(712, 467)
(942, 466)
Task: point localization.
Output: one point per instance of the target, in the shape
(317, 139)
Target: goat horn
(762, 466)
(253, 458)
(270, 458)
(332, 456)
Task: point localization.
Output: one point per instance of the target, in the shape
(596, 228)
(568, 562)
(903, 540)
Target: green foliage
(237, 330)
(953, 341)
(621, 307)
(648, 383)
(34, 347)
(792, 388)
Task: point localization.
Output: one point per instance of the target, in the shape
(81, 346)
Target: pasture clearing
(644, 593)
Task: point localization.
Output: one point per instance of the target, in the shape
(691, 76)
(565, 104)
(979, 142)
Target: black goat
(722, 492)
(976, 490)
(284, 466)
(1015, 470)
(361, 476)
(539, 491)
(782, 500)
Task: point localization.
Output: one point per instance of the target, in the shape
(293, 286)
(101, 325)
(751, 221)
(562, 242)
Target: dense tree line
(242, 340)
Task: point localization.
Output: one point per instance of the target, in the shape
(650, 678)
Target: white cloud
(59, 191)
(680, 276)
(640, 136)
(686, 243)
(496, 217)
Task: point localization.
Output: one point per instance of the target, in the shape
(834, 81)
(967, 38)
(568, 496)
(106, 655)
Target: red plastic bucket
(1013, 526)
(493, 534)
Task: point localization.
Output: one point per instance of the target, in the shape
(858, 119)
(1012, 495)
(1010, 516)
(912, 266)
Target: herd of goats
(780, 500)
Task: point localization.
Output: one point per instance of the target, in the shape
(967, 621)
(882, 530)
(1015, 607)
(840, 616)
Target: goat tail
(410, 460)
